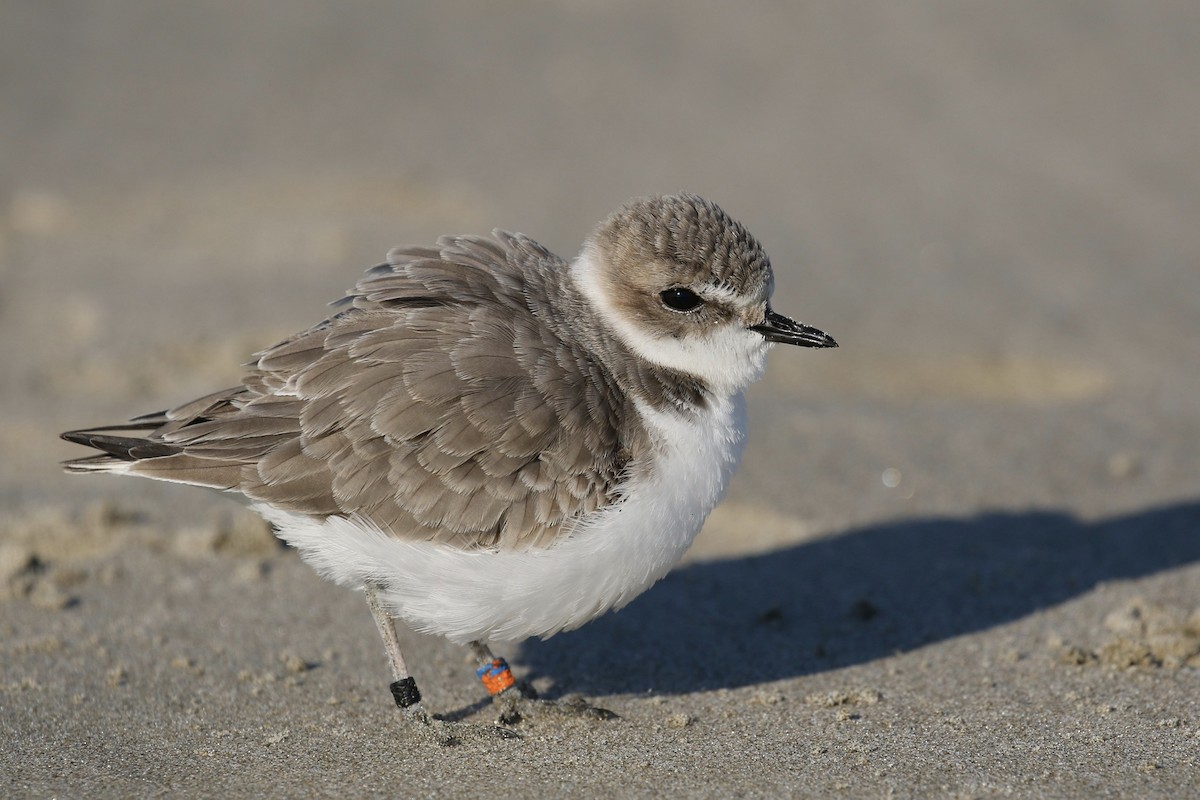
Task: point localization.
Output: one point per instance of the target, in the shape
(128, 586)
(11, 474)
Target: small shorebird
(491, 442)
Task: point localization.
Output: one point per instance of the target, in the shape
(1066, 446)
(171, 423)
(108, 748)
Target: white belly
(610, 557)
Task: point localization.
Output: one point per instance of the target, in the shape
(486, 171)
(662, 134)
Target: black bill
(784, 330)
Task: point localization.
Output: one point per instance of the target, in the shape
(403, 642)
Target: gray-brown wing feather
(436, 405)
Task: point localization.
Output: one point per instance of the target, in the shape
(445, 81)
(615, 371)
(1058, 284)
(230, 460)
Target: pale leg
(404, 687)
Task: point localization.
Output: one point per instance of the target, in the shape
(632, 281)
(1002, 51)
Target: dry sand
(962, 558)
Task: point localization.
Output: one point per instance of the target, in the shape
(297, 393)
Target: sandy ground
(962, 558)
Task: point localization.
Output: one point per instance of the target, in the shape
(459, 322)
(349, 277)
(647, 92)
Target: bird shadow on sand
(854, 598)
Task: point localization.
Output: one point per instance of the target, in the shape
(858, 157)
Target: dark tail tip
(126, 448)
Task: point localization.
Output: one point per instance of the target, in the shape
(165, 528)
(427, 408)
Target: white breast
(608, 559)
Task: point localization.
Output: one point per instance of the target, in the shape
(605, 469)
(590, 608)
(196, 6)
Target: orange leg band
(496, 675)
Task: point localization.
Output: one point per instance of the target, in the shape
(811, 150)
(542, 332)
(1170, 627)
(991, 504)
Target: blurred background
(970, 533)
(993, 207)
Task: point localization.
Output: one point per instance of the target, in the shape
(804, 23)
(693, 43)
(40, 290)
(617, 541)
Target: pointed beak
(784, 330)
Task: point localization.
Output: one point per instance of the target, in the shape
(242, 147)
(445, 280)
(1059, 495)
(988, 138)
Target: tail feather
(99, 463)
(122, 448)
(149, 457)
(150, 445)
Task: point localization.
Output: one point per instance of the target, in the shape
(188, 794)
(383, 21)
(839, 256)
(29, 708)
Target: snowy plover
(491, 442)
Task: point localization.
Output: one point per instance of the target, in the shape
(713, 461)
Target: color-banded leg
(518, 702)
(404, 687)
(493, 671)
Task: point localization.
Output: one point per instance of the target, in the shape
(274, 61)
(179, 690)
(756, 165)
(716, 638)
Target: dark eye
(680, 299)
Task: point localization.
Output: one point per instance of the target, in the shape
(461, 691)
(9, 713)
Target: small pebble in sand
(293, 663)
(117, 676)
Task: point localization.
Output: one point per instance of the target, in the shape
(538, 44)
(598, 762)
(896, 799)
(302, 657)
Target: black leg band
(406, 692)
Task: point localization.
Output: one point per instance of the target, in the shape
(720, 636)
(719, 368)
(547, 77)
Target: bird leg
(518, 701)
(494, 673)
(408, 697)
(404, 687)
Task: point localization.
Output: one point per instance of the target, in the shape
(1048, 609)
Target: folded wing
(436, 404)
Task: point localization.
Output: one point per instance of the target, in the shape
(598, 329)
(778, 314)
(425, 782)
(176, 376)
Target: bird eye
(680, 299)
